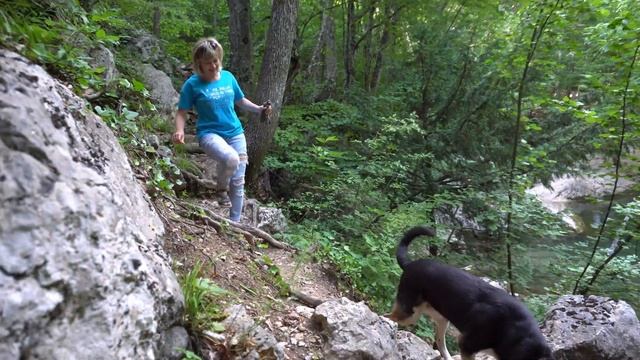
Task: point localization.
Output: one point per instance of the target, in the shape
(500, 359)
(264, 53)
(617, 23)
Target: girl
(213, 93)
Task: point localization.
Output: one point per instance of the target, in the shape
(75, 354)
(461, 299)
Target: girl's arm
(247, 105)
(180, 119)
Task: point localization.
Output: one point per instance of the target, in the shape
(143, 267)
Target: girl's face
(210, 69)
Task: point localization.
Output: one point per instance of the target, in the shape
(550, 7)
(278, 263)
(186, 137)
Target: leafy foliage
(200, 298)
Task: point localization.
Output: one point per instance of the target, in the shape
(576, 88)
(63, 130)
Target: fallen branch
(251, 230)
(216, 225)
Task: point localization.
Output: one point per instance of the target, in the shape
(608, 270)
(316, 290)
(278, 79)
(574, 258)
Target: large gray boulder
(82, 270)
(102, 56)
(592, 328)
(161, 90)
(353, 332)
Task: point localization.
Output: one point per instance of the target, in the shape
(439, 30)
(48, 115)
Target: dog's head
(407, 310)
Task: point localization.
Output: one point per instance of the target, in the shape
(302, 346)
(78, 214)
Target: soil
(250, 271)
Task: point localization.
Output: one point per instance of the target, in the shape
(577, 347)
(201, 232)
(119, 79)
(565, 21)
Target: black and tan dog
(487, 317)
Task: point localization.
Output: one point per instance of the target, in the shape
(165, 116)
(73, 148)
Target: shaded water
(553, 263)
(588, 215)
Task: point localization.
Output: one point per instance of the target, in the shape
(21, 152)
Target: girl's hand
(266, 108)
(178, 137)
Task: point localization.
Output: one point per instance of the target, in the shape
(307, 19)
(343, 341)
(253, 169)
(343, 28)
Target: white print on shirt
(217, 93)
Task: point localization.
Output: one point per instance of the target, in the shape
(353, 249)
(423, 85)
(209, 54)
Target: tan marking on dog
(441, 323)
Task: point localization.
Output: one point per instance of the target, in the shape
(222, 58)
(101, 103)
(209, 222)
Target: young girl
(213, 93)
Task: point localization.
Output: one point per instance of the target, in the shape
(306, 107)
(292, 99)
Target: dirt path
(248, 272)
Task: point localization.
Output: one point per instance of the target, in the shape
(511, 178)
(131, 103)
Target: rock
(146, 47)
(478, 356)
(592, 328)
(304, 311)
(82, 274)
(174, 341)
(101, 56)
(568, 187)
(161, 90)
(352, 331)
(251, 340)
(153, 140)
(412, 347)
(271, 220)
(164, 151)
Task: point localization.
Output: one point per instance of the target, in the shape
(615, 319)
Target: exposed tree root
(242, 228)
(306, 299)
(207, 184)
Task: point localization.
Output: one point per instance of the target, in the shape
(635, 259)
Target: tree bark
(385, 38)
(350, 44)
(368, 48)
(330, 73)
(272, 82)
(294, 65)
(156, 21)
(323, 67)
(241, 64)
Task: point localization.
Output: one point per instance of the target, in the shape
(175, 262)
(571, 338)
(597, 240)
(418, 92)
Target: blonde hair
(206, 49)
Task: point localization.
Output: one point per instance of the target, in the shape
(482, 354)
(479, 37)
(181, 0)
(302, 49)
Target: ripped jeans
(231, 155)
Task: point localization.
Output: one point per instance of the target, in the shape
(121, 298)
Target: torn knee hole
(238, 182)
(244, 158)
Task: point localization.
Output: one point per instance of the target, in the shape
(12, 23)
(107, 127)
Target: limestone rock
(161, 90)
(82, 272)
(253, 341)
(353, 331)
(592, 328)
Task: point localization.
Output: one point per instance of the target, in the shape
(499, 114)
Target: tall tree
(391, 18)
(323, 66)
(350, 44)
(241, 63)
(156, 21)
(272, 82)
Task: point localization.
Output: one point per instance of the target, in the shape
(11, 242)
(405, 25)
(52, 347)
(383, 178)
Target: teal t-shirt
(214, 102)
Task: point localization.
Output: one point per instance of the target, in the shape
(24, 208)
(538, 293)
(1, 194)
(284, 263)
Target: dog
(487, 317)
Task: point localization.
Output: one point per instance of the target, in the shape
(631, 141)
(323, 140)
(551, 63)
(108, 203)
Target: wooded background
(391, 113)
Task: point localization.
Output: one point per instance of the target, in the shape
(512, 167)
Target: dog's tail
(402, 254)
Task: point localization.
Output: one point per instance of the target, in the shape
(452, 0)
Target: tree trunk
(368, 48)
(156, 21)
(294, 66)
(241, 64)
(330, 73)
(350, 44)
(392, 16)
(315, 64)
(272, 82)
(214, 19)
(323, 67)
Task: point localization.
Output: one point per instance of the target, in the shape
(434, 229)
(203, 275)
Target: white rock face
(592, 328)
(82, 270)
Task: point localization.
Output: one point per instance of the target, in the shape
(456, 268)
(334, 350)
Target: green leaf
(138, 86)
(101, 34)
(217, 327)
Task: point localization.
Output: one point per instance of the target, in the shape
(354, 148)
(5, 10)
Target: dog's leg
(441, 330)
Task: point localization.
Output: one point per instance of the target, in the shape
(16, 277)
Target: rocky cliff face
(82, 270)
